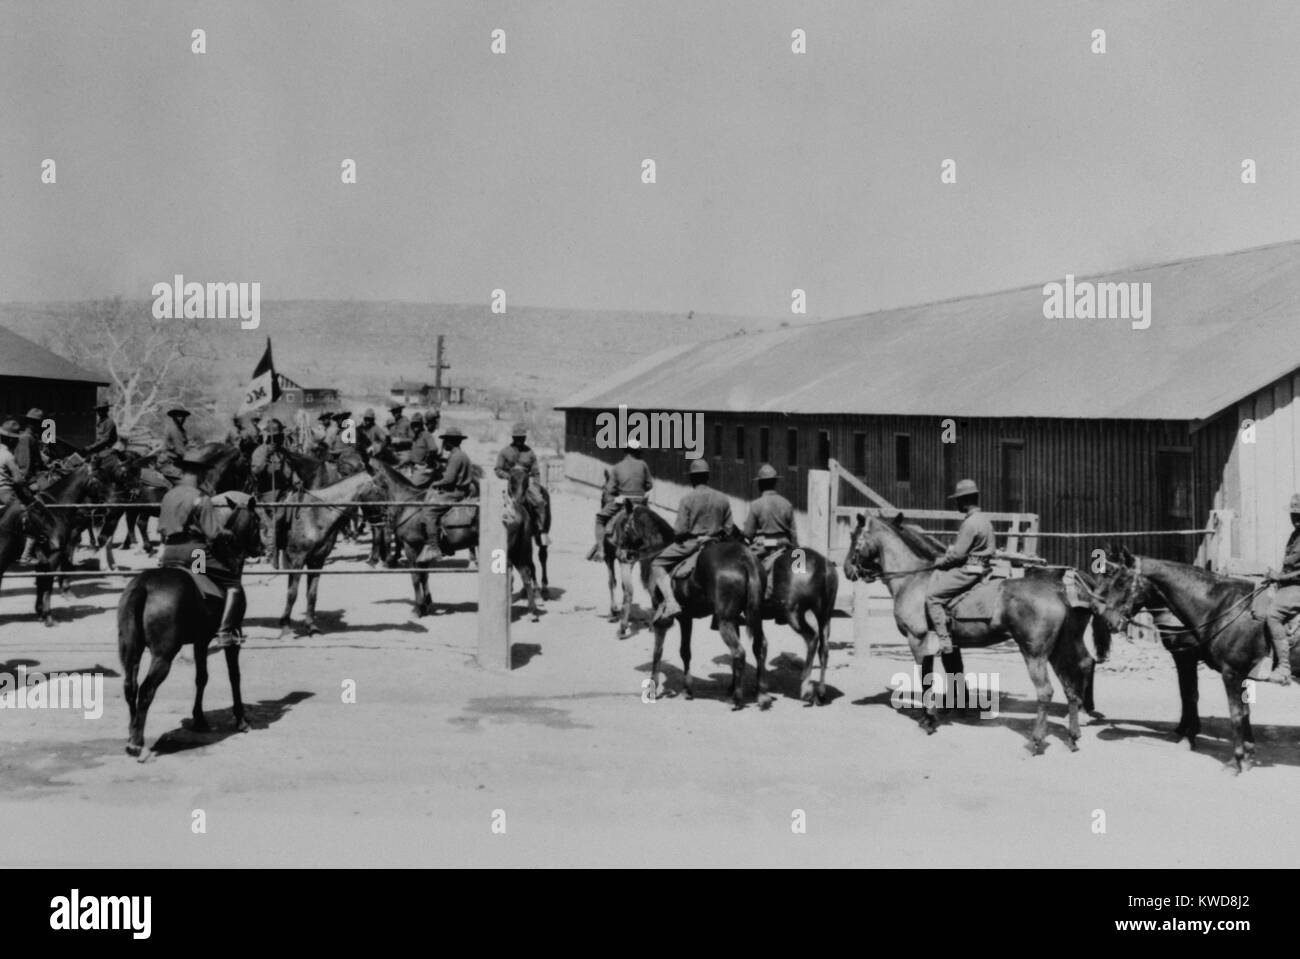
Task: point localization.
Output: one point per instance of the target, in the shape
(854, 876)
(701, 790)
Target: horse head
(1121, 589)
(863, 559)
(242, 521)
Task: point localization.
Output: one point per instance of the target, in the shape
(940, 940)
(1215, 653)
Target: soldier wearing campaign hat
(105, 430)
(187, 521)
(13, 478)
(520, 456)
(275, 478)
(454, 486)
(629, 478)
(769, 524)
(703, 515)
(963, 564)
(399, 431)
(28, 449)
(175, 444)
(1286, 601)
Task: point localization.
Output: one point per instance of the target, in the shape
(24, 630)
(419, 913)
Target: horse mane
(661, 525)
(358, 480)
(920, 543)
(60, 486)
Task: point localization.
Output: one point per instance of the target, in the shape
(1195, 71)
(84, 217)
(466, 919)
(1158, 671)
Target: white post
(493, 587)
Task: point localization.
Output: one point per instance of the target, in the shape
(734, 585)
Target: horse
(1215, 611)
(613, 550)
(726, 583)
(521, 530)
(313, 524)
(1032, 611)
(163, 609)
(54, 533)
(803, 582)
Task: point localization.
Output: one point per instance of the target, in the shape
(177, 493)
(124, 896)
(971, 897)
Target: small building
(32, 376)
(1096, 425)
(414, 393)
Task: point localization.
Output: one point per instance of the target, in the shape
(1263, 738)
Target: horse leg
(656, 688)
(130, 649)
(686, 624)
(542, 552)
(1189, 723)
(199, 723)
(614, 611)
(1236, 718)
(313, 583)
(1072, 665)
(929, 713)
(530, 587)
(44, 598)
(758, 642)
(731, 636)
(291, 597)
(796, 620)
(823, 654)
(232, 668)
(159, 667)
(1037, 666)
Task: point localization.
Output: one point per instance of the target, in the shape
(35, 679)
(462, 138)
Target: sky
(522, 171)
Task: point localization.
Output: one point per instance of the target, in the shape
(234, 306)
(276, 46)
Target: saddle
(1259, 609)
(978, 602)
(686, 567)
(151, 477)
(210, 590)
(768, 563)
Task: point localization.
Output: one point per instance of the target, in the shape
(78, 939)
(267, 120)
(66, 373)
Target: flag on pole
(264, 388)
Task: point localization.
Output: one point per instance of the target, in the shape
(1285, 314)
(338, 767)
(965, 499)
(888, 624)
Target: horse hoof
(132, 749)
(1037, 747)
(313, 630)
(1073, 743)
(48, 621)
(242, 725)
(765, 701)
(536, 618)
(688, 693)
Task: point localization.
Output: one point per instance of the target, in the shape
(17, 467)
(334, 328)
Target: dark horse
(803, 582)
(1032, 611)
(726, 584)
(163, 609)
(54, 532)
(522, 529)
(615, 551)
(1215, 611)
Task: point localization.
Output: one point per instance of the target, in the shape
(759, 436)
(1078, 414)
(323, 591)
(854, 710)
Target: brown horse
(521, 531)
(1216, 612)
(726, 584)
(163, 609)
(313, 526)
(803, 582)
(1032, 611)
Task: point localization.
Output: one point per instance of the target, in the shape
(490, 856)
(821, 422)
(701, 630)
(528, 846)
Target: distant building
(31, 375)
(294, 396)
(413, 393)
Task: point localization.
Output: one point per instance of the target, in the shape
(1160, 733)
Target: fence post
(819, 516)
(493, 587)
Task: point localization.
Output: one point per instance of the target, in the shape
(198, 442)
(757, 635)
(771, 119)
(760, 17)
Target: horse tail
(831, 591)
(130, 631)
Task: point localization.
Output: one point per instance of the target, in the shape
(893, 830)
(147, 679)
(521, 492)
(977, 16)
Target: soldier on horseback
(175, 444)
(399, 431)
(1286, 601)
(963, 564)
(769, 525)
(105, 431)
(629, 478)
(454, 487)
(520, 456)
(425, 454)
(371, 437)
(28, 449)
(703, 515)
(13, 478)
(273, 473)
(188, 521)
(320, 435)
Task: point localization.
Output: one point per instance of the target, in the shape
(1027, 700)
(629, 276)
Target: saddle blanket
(151, 477)
(684, 569)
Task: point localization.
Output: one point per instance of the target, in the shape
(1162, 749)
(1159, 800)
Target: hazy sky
(522, 171)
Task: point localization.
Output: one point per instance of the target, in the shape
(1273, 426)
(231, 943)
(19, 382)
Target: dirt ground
(571, 767)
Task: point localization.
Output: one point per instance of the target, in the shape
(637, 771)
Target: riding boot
(232, 618)
(1281, 674)
(939, 617)
(597, 553)
(668, 607)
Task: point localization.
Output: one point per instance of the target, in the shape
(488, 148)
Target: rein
(1242, 606)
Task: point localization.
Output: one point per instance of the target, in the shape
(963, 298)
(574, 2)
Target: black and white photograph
(622, 434)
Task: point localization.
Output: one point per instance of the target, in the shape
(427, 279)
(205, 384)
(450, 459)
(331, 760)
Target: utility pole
(438, 366)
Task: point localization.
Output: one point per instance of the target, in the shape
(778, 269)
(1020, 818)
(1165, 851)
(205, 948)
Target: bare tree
(151, 365)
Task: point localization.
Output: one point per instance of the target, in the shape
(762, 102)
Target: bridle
(1140, 585)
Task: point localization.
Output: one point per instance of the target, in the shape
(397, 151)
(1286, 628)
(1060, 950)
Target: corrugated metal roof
(19, 356)
(1221, 327)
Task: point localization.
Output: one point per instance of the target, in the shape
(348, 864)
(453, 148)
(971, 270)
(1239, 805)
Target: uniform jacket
(514, 456)
(457, 474)
(628, 477)
(703, 512)
(975, 540)
(771, 516)
(105, 435)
